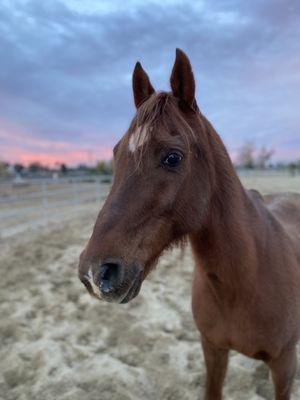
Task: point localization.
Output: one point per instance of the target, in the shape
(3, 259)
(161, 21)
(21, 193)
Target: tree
(250, 157)
(35, 167)
(263, 157)
(104, 167)
(63, 169)
(246, 155)
(82, 167)
(293, 167)
(18, 168)
(3, 168)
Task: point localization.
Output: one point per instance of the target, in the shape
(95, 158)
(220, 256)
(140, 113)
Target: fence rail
(35, 203)
(268, 173)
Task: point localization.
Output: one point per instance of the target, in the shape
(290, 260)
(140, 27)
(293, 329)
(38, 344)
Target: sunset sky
(66, 65)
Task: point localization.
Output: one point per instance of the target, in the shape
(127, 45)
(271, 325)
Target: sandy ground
(58, 343)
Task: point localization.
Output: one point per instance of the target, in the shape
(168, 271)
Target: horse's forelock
(159, 109)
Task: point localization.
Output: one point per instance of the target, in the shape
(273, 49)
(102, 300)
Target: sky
(66, 68)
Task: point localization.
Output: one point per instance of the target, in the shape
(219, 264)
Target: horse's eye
(172, 160)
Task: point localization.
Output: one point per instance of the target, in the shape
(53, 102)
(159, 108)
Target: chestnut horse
(174, 180)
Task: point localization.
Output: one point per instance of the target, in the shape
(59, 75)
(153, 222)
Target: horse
(174, 182)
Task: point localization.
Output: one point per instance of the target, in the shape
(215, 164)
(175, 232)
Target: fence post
(45, 202)
(98, 189)
(76, 199)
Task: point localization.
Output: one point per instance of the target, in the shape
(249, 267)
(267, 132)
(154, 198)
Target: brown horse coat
(174, 180)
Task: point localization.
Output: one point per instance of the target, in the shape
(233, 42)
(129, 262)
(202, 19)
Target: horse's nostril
(108, 278)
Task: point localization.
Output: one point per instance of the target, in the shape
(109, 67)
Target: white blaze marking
(95, 288)
(138, 137)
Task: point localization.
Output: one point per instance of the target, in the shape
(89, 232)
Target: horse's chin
(132, 292)
(135, 288)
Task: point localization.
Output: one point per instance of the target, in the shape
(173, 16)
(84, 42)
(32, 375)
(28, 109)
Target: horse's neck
(223, 237)
(226, 243)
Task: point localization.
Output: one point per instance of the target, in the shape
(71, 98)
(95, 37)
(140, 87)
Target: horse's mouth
(133, 291)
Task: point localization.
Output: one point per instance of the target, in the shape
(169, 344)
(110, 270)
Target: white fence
(32, 203)
(268, 173)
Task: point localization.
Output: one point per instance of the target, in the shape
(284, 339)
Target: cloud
(44, 150)
(70, 157)
(65, 73)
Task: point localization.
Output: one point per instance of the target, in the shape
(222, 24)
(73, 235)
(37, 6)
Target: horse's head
(161, 187)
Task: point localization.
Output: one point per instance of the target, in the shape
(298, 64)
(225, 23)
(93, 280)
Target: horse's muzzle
(113, 281)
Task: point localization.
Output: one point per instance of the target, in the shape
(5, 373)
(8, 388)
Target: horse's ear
(141, 85)
(182, 80)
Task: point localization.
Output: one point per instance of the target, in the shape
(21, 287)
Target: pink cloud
(49, 157)
(20, 146)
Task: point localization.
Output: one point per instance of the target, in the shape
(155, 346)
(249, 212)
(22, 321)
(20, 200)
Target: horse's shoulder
(286, 208)
(279, 207)
(255, 195)
(284, 204)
